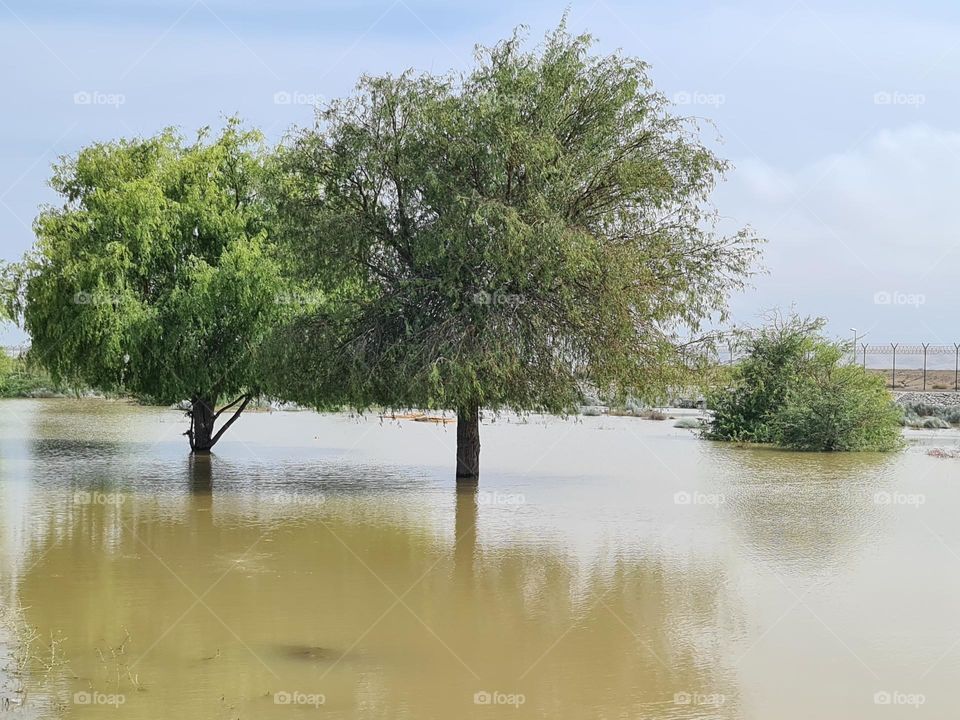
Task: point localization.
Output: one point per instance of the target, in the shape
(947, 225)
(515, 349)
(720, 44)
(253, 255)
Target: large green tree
(156, 275)
(506, 237)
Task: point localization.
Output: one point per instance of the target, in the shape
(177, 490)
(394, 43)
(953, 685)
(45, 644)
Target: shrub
(793, 390)
(840, 409)
(915, 412)
(778, 356)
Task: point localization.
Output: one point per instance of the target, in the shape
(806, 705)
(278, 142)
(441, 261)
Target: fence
(937, 363)
(921, 367)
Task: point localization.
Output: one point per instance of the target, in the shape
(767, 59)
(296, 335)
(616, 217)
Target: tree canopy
(508, 235)
(156, 276)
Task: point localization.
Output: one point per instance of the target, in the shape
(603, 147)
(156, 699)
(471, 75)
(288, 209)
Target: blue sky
(839, 118)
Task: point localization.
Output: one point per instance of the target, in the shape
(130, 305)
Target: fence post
(956, 367)
(925, 346)
(893, 376)
(864, 346)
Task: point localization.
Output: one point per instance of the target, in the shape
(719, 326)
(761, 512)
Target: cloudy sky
(840, 118)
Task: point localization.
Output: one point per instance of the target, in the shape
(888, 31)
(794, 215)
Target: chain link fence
(919, 367)
(914, 367)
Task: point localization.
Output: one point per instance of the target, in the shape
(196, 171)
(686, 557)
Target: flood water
(604, 568)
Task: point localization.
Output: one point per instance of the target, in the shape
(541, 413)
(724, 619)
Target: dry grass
(912, 379)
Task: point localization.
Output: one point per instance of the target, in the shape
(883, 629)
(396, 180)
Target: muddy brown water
(604, 568)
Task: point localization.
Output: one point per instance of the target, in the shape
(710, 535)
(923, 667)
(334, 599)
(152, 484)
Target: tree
(156, 276)
(793, 390)
(501, 238)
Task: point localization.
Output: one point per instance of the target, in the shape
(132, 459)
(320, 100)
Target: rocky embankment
(940, 399)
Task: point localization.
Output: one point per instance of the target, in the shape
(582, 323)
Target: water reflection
(207, 586)
(804, 513)
(212, 586)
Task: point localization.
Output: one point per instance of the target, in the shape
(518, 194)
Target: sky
(839, 118)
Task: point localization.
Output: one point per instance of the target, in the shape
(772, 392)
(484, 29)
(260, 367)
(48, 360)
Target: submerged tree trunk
(468, 443)
(203, 418)
(201, 425)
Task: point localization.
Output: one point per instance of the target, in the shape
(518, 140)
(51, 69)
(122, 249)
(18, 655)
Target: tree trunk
(468, 443)
(202, 417)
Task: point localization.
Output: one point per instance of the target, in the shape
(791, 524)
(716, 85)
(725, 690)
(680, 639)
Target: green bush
(916, 412)
(839, 409)
(793, 390)
(19, 378)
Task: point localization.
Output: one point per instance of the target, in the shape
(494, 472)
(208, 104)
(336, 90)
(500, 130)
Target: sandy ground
(910, 379)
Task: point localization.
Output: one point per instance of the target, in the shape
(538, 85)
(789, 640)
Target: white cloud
(879, 217)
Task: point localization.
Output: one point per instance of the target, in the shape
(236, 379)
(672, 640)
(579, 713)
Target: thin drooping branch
(227, 407)
(226, 426)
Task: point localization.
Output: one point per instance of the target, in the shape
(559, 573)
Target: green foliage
(839, 408)
(20, 379)
(792, 390)
(778, 357)
(500, 239)
(156, 276)
(915, 415)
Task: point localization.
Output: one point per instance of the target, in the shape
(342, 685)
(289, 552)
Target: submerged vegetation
(22, 379)
(794, 390)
